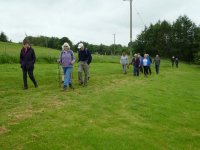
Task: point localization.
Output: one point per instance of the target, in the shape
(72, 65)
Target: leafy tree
(3, 37)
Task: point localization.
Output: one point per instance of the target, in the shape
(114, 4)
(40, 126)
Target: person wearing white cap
(84, 59)
(67, 60)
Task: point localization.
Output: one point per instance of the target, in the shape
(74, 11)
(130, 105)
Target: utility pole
(114, 44)
(131, 2)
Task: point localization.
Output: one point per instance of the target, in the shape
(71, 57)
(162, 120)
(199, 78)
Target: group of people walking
(66, 59)
(174, 60)
(140, 64)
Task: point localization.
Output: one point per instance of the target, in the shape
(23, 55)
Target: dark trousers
(157, 69)
(136, 71)
(30, 73)
(145, 70)
(149, 70)
(176, 65)
(172, 64)
(141, 69)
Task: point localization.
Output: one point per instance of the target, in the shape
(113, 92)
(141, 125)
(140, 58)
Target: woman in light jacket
(124, 62)
(67, 60)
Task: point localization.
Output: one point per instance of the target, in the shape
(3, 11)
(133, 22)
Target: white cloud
(93, 21)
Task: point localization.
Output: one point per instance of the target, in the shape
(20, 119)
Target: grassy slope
(9, 53)
(115, 111)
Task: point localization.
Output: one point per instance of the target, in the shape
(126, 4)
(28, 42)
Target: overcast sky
(93, 21)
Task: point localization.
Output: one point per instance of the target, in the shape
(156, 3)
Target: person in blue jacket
(149, 62)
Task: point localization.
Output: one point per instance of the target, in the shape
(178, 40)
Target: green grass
(9, 53)
(113, 112)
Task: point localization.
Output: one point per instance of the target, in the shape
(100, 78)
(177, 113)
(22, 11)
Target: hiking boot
(80, 83)
(85, 84)
(64, 88)
(25, 88)
(71, 86)
(36, 85)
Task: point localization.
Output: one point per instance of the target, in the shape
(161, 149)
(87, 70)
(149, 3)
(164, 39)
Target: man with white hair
(84, 59)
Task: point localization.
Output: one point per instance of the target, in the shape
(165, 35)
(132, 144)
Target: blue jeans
(67, 73)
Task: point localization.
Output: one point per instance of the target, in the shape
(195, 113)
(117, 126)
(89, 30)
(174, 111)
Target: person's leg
(30, 73)
(134, 70)
(145, 70)
(88, 72)
(150, 70)
(85, 69)
(24, 70)
(67, 76)
(156, 67)
(65, 80)
(141, 69)
(176, 65)
(124, 69)
(138, 71)
(80, 70)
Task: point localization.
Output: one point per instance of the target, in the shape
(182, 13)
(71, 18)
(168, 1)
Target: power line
(138, 13)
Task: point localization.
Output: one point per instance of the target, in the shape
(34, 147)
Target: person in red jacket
(27, 61)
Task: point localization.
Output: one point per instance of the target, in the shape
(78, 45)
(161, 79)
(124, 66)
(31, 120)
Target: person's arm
(73, 58)
(89, 57)
(21, 58)
(33, 56)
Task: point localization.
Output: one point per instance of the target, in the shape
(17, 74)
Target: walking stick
(59, 78)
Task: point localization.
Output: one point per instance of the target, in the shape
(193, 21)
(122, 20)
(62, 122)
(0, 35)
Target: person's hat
(80, 45)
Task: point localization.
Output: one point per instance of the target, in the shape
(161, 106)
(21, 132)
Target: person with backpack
(84, 60)
(157, 63)
(136, 64)
(67, 60)
(149, 64)
(27, 61)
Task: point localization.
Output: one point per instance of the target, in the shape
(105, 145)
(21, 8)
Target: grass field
(114, 112)
(9, 53)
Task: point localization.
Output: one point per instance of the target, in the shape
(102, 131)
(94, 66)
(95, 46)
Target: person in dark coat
(173, 61)
(27, 61)
(136, 64)
(84, 60)
(176, 62)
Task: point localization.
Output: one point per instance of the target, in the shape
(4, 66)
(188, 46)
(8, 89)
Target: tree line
(56, 43)
(180, 39)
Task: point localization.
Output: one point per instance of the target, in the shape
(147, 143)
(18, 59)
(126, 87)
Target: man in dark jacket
(27, 61)
(84, 59)
(136, 64)
(157, 63)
